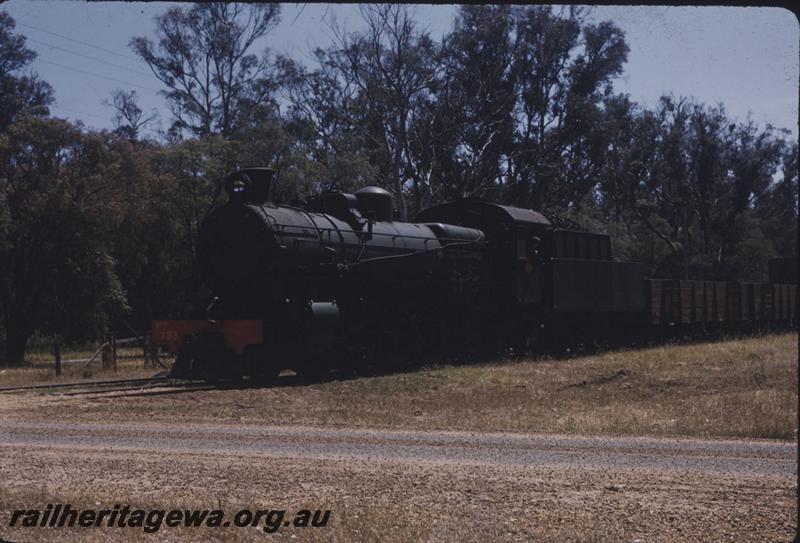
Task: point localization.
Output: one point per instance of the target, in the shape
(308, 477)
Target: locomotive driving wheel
(186, 365)
(204, 356)
(182, 367)
(258, 365)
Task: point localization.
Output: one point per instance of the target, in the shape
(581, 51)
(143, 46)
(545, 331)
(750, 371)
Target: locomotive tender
(336, 283)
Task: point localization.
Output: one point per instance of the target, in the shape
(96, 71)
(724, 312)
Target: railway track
(101, 386)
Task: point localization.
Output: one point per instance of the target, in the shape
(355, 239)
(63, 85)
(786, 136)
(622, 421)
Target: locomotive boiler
(336, 283)
(322, 286)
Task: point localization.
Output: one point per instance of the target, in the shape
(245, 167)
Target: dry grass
(737, 388)
(39, 369)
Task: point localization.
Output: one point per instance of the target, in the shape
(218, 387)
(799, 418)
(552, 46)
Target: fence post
(57, 353)
(105, 355)
(114, 351)
(154, 355)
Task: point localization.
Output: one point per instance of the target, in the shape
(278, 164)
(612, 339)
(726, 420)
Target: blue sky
(746, 58)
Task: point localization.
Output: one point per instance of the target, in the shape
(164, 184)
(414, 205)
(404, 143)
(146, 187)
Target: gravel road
(395, 485)
(628, 453)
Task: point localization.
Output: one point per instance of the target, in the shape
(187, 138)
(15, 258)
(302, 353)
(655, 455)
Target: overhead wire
(86, 72)
(91, 58)
(98, 75)
(81, 113)
(109, 51)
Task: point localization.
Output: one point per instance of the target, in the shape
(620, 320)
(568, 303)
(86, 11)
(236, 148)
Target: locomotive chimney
(250, 185)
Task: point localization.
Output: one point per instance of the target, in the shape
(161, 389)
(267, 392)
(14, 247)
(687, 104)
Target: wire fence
(111, 350)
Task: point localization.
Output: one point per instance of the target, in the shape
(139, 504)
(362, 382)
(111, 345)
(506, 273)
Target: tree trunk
(16, 342)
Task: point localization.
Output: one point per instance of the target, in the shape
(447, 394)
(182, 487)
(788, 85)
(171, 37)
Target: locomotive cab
(514, 239)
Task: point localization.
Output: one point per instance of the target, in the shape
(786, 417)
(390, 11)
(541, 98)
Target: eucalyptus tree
(372, 88)
(22, 92)
(472, 115)
(563, 66)
(129, 119)
(204, 57)
(63, 191)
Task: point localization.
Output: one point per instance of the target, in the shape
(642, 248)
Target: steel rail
(88, 384)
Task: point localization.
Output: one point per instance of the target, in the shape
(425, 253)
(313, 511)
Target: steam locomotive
(336, 283)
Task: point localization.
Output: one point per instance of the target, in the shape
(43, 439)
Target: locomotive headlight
(237, 186)
(251, 185)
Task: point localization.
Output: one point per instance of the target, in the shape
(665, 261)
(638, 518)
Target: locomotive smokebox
(250, 185)
(375, 201)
